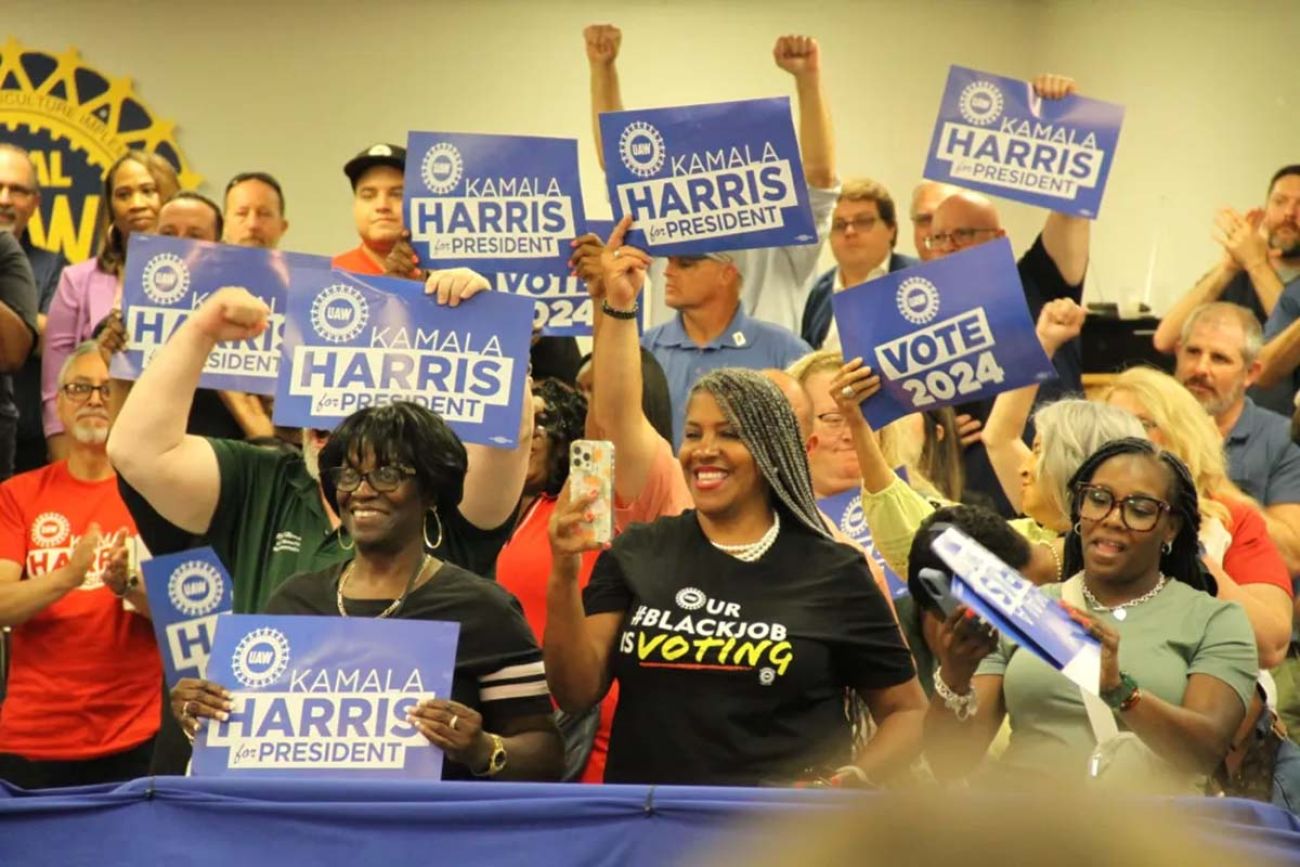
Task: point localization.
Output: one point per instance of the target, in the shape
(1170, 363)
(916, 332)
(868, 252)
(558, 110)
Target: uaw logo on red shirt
(51, 534)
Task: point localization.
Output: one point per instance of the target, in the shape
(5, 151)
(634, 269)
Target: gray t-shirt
(1178, 633)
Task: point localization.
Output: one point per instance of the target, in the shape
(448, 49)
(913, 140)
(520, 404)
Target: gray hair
(15, 149)
(1071, 430)
(1226, 311)
(84, 348)
(766, 424)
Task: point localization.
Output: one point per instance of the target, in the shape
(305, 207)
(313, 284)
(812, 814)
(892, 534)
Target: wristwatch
(1124, 696)
(497, 761)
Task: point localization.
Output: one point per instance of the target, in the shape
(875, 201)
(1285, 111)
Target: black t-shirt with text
(733, 673)
(498, 670)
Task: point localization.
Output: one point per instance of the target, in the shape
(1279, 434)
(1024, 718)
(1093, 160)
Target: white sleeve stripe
(514, 690)
(514, 672)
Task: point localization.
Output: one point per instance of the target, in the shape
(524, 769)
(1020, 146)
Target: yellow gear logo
(75, 122)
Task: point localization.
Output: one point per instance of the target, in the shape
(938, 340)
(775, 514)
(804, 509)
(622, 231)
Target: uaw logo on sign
(187, 591)
(562, 306)
(497, 203)
(166, 279)
(706, 178)
(845, 509)
(948, 331)
(1020, 610)
(75, 122)
(701, 633)
(996, 135)
(325, 696)
(351, 344)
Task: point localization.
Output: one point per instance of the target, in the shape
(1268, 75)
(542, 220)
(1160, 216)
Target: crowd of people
(730, 633)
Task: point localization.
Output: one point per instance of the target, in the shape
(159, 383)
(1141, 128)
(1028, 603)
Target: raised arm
(175, 472)
(575, 647)
(1280, 356)
(603, 41)
(1065, 238)
(1059, 322)
(801, 57)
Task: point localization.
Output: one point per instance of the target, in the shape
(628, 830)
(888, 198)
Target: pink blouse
(85, 296)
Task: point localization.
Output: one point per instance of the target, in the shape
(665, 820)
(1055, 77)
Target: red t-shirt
(358, 262)
(523, 568)
(84, 675)
(1252, 558)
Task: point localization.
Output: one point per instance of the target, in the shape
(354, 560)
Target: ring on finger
(454, 720)
(618, 252)
(847, 391)
(186, 711)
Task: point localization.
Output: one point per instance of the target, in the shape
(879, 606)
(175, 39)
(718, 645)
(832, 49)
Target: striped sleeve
(526, 680)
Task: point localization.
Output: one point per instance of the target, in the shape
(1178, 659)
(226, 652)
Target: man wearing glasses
(83, 702)
(1053, 267)
(864, 232)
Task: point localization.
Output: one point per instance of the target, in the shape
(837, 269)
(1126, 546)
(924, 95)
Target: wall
(296, 88)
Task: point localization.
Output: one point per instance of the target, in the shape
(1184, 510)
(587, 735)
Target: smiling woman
(734, 630)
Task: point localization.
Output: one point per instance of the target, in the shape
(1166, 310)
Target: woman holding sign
(387, 472)
(734, 629)
(1178, 666)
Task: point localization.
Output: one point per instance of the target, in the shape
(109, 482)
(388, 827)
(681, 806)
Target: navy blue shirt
(1262, 459)
(745, 342)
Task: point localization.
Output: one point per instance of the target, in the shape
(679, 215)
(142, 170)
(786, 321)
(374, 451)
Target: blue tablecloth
(183, 821)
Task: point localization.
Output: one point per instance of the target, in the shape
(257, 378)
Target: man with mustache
(1259, 270)
(83, 701)
(1218, 359)
(20, 196)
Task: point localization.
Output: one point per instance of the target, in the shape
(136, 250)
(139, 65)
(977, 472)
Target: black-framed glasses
(382, 480)
(859, 224)
(1139, 513)
(79, 392)
(957, 238)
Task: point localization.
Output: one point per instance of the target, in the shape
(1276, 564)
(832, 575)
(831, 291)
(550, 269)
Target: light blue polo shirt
(1262, 459)
(745, 342)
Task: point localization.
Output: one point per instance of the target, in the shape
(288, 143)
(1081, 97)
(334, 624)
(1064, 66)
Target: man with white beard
(83, 700)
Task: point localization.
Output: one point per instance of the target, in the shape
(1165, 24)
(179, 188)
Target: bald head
(798, 398)
(963, 220)
(925, 200)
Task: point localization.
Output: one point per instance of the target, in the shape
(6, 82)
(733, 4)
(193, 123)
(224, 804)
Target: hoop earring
(432, 546)
(1078, 528)
(1167, 548)
(342, 534)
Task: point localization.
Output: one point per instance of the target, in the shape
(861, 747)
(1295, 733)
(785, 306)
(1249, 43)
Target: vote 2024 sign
(1022, 612)
(325, 696)
(846, 511)
(562, 306)
(186, 593)
(995, 135)
(492, 202)
(353, 342)
(166, 279)
(707, 178)
(943, 332)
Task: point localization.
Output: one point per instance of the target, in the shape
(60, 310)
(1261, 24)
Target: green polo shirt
(270, 523)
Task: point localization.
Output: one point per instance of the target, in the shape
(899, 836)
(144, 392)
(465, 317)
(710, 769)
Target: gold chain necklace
(397, 603)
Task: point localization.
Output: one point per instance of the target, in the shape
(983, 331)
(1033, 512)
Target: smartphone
(591, 466)
(938, 587)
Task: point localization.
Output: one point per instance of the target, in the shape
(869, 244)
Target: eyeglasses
(79, 392)
(859, 224)
(832, 419)
(382, 480)
(1140, 514)
(957, 238)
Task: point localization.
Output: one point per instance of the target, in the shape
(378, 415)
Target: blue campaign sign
(325, 696)
(186, 592)
(353, 342)
(845, 510)
(492, 202)
(561, 305)
(707, 178)
(995, 135)
(943, 332)
(167, 278)
(1019, 609)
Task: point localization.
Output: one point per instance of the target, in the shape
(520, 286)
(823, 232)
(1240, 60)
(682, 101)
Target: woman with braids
(734, 629)
(1178, 666)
